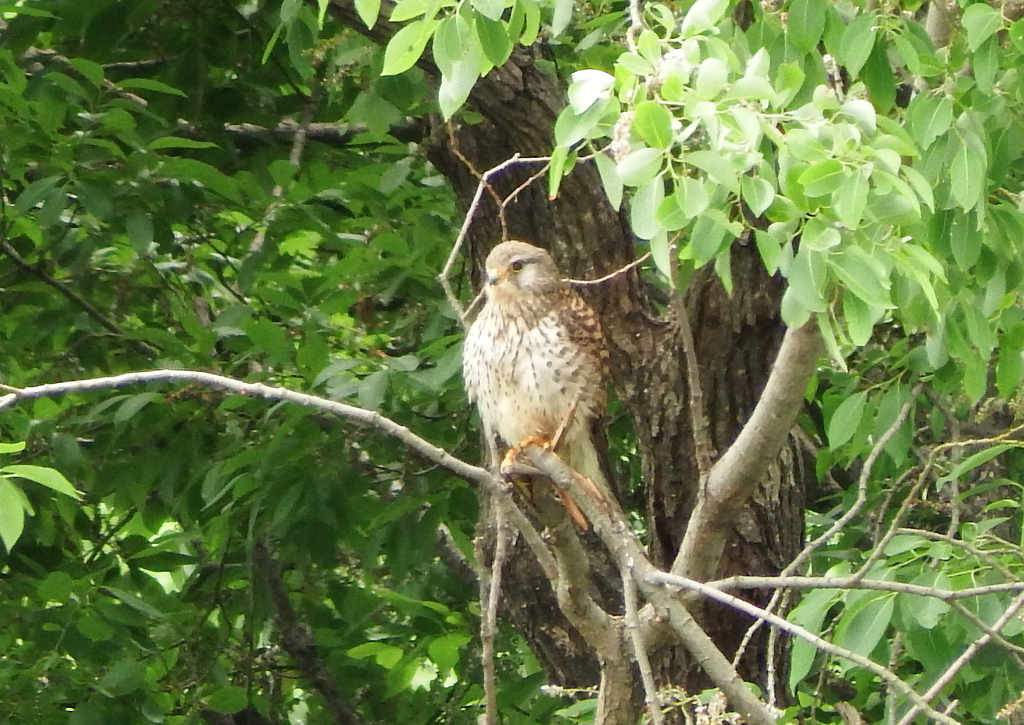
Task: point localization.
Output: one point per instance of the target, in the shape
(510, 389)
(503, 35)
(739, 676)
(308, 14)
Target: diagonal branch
(628, 552)
(670, 580)
(297, 640)
(735, 475)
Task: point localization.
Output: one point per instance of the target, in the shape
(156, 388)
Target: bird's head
(520, 267)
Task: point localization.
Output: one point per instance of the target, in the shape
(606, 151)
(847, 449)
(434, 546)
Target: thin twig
(294, 159)
(893, 680)
(972, 649)
(854, 582)
(490, 592)
(460, 468)
(467, 221)
(639, 651)
(636, 24)
(612, 275)
(862, 497)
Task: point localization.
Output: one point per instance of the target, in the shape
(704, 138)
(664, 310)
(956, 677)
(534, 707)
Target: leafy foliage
(156, 212)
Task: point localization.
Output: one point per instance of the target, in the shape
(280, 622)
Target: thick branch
(736, 474)
(627, 551)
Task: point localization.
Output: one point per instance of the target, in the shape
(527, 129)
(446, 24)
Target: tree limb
(297, 640)
(735, 475)
(671, 580)
(611, 525)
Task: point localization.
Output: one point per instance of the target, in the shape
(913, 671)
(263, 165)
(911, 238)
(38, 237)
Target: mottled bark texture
(736, 339)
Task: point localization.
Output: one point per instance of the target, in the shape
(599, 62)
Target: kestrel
(534, 361)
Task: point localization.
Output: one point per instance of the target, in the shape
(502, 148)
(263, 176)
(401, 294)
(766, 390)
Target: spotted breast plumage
(534, 359)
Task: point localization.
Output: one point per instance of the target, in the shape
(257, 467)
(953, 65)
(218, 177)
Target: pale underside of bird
(535, 364)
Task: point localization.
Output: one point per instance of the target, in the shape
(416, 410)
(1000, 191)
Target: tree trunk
(736, 340)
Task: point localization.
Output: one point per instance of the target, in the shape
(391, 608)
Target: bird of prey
(535, 363)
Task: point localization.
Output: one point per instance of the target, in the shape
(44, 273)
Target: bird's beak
(494, 276)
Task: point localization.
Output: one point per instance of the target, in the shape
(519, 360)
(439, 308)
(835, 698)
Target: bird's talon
(539, 441)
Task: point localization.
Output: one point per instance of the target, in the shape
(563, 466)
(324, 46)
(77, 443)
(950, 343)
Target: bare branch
(626, 549)
(612, 275)
(854, 582)
(965, 657)
(483, 185)
(698, 421)
(490, 592)
(735, 475)
(906, 690)
(639, 650)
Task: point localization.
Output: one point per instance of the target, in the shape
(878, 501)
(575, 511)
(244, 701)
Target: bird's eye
(517, 266)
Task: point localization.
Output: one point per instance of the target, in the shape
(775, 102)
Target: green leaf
(228, 700)
(490, 9)
(176, 142)
(846, 419)
(807, 279)
(810, 614)
(860, 319)
(571, 128)
(588, 87)
(1017, 35)
(653, 123)
(561, 16)
(822, 178)
(857, 42)
(850, 199)
(805, 24)
(35, 193)
(861, 276)
(639, 167)
(125, 676)
(135, 602)
(967, 173)
(712, 76)
(446, 650)
(971, 462)
(463, 68)
(197, 172)
(148, 84)
(789, 80)
(862, 629)
(140, 232)
(980, 21)
(368, 11)
(494, 40)
(49, 477)
(12, 513)
(643, 214)
(703, 15)
(757, 193)
(929, 117)
(385, 655)
(407, 46)
(609, 180)
(691, 195)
